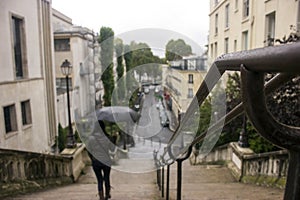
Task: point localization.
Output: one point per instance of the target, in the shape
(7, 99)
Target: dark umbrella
(117, 114)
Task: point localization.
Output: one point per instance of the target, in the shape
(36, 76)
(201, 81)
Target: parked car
(146, 90)
(156, 90)
(164, 120)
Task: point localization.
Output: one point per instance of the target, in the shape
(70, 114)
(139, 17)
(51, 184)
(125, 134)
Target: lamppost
(66, 69)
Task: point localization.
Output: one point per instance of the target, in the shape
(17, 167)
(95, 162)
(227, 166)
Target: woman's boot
(101, 197)
(107, 194)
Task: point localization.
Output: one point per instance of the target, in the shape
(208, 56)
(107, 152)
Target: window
(216, 24)
(26, 112)
(212, 50)
(236, 4)
(62, 44)
(270, 29)
(19, 47)
(216, 49)
(226, 45)
(190, 93)
(245, 40)
(10, 118)
(191, 78)
(227, 16)
(245, 8)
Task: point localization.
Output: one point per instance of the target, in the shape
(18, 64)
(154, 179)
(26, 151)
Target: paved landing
(216, 183)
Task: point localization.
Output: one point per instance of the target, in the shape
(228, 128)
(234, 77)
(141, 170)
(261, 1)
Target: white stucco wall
(255, 24)
(32, 137)
(29, 12)
(35, 136)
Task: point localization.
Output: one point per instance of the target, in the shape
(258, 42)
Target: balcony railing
(253, 64)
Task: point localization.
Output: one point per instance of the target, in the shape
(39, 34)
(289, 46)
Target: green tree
(232, 130)
(130, 82)
(119, 54)
(62, 137)
(106, 40)
(284, 103)
(127, 57)
(175, 49)
(119, 47)
(141, 54)
(140, 59)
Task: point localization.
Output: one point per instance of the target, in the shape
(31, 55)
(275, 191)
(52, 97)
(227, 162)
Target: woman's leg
(106, 171)
(98, 172)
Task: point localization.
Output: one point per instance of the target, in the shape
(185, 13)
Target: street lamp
(66, 69)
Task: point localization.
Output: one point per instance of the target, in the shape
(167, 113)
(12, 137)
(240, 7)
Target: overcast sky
(155, 21)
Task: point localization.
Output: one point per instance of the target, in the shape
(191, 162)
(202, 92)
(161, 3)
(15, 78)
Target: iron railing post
(158, 178)
(179, 181)
(162, 181)
(168, 182)
(292, 188)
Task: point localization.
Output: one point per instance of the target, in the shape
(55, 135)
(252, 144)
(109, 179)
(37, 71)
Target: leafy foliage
(257, 143)
(127, 57)
(232, 130)
(62, 137)
(119, 54)
(119, 48)
(138, 56)
(106, 40)
(284, 103)
(175, 49)
(205, 112)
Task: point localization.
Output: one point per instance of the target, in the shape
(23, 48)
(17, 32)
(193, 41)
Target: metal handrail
(267, 59)
(283, 59)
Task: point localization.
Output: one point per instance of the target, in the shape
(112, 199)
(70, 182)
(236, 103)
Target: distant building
(80, 47)
(237, 25)
(181, 80)
(28, 99)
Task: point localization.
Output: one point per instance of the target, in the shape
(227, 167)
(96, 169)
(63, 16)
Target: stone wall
(22, 172)
(268, 169)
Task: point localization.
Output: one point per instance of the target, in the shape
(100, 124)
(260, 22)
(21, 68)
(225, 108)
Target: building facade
(28, 99)
(181, 80)
(79, 46)
(237, 25)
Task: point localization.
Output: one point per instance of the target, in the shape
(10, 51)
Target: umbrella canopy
(117, 114)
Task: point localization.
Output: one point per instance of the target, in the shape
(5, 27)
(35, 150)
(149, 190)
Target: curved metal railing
(284, 60)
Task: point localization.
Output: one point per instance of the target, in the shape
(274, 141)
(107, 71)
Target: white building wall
(60, 21)
(30, 137)
(35, 136)
(29, 12)
(81, 56)
(255, 24)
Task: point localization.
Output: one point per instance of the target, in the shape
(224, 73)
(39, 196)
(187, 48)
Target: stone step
(202, 182)
(125, 186)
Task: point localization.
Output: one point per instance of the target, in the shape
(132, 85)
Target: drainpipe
(252, 19)
(298, 19)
